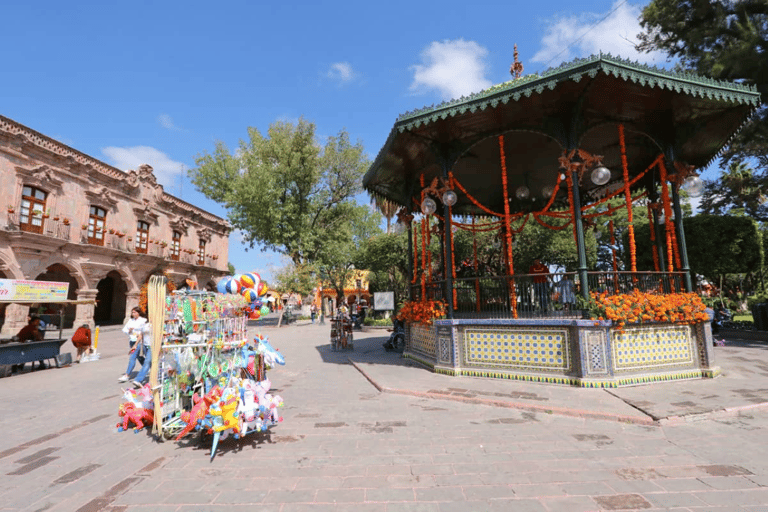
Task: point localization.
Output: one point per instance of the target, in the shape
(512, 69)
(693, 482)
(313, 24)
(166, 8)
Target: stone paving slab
(742, 386)
(344, 445)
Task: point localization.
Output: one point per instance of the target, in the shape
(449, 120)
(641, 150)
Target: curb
(713, 414)
(562, 411)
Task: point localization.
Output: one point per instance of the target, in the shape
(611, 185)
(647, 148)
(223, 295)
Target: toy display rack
(211, 342)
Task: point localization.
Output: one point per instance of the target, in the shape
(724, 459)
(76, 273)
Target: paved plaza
(366, 430)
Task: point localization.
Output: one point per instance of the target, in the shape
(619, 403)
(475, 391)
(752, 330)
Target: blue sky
(159, 82)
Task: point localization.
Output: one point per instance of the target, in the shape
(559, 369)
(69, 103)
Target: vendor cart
(341, 333)
(34, 294)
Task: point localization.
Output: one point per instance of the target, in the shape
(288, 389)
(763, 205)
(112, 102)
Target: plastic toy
(199, 410)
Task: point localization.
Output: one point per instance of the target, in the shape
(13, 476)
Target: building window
(32, 208)
(142, 237)
(97, 223)
(176, 246)
(201, 252)
(359, 284)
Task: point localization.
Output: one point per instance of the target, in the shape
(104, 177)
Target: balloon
(262, 288)
(248, 280)
(257, 303)
(255, 315)
(250, 295)
(221, 286)
(233, 286)
(264, 310)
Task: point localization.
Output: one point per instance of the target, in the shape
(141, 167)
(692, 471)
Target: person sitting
(30, 332)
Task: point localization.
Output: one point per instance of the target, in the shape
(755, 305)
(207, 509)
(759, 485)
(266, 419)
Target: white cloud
(166, 122)
(452, 68)
(341, 71)
(614, 32)
(166, 170)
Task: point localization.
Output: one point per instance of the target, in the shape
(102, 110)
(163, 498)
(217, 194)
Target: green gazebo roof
(577, 105)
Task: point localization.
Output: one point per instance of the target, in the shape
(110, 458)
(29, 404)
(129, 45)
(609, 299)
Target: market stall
(35, 295)
(207, 374)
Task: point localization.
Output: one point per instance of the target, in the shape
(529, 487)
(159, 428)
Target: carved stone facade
(70, 217)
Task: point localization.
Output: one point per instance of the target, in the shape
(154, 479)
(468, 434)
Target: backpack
(82, 337)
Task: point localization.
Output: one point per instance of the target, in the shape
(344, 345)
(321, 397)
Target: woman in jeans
(143, 346)
(133, 328)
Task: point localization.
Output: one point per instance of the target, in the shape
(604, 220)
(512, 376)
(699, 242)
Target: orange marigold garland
(628, 198)
(667, 214)
(639, 307)
(507, 227)
(423, 311)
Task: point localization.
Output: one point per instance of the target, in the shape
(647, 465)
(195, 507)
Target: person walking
(313, 311)
(143, 347)
(133, 328)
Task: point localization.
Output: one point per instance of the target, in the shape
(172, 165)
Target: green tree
(738, 191)
(283, 190)
(231, 268)
(336, 261)
(293, 278)
(717, 247)
(718, 39)
(386, 258)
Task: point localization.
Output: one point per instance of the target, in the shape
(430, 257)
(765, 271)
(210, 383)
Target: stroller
(396, 340)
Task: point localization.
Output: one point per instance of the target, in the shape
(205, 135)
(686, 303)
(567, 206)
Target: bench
(28, 352)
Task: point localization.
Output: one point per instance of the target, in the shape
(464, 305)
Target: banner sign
(32, 291)
(384, 301)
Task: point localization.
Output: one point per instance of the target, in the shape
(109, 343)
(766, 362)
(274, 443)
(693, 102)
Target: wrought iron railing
(552, 296)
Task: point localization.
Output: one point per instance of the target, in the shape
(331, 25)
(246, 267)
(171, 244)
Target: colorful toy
(269, 402)
(271, 355)
(250, 295)
(262, 288)
(249, 412)
(225, 418)
(221, 286)
(233, 286)
(199, 410)
(250, 280)
(136, 415)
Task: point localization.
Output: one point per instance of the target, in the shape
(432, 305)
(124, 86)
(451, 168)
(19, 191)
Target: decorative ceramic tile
(423, 340)
(535, 349)
(595, 352)
(445, 349)
(652, 348)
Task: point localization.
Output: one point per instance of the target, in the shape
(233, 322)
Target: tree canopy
(284, 190)
(726, 40)
(723, 40)
(738, 191)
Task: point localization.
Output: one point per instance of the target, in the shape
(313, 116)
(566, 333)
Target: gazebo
(556, 147)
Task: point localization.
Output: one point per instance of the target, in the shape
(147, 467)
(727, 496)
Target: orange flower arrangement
(640, 308)
(423, 311)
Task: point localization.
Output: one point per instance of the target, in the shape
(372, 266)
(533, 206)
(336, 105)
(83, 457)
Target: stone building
(70, 217)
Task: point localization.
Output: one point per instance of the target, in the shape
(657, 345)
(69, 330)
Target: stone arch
(73, 270)
(58, 272)
(110, 299)
(9, 268)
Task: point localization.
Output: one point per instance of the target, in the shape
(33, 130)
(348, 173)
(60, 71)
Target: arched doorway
(110, 300)
(61, 274)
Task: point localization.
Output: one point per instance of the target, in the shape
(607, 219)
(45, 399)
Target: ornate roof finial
(516, 69)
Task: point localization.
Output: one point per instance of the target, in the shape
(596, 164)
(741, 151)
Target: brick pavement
(452, 444)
